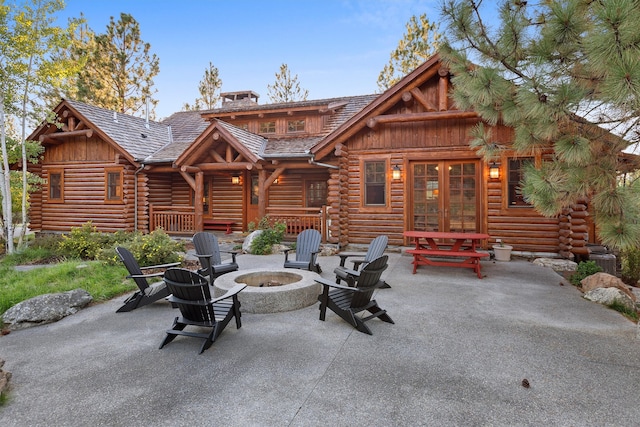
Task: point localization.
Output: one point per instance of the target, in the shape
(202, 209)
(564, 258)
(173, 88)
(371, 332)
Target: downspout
(135, 197)
(326, 165)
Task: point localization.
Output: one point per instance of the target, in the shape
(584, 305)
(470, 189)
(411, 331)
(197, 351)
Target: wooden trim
(57, 136)
(374, 122)
(56, 171)
(113, 170)
(387, 190)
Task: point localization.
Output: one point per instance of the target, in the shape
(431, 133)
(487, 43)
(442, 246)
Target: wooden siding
(84, 199)
(227, 201)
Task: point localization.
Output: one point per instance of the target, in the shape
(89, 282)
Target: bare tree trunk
(5, 183)
(23, 143)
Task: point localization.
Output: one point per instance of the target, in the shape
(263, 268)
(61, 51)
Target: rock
(605, 280)
(246, 245)
(556, 264)
(608, 296)
(4, 378)
(46, 308)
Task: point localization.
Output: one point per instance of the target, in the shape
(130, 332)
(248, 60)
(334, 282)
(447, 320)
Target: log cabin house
(353, 167)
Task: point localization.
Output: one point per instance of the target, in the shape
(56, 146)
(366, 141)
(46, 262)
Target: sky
(335, 47)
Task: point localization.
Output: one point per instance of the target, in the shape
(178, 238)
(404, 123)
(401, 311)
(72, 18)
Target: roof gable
(246, 144)
(378, 106)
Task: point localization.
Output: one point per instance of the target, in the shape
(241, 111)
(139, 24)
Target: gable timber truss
(70, 125)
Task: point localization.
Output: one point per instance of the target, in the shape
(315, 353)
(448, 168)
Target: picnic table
(446, 245)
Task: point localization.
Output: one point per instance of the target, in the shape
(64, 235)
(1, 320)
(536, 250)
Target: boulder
(46, 308)
(605, 280)
(608, 296)
(4, 378)
(556, 264)
(246, 245)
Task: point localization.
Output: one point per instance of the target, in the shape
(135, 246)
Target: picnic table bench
(443, 245)
(218, 224)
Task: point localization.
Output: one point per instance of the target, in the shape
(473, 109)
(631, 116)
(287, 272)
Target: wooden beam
(190, 180)
(419, 96)
(189, 169)
(407, 98)
(61, 135)
(224, 166)
(217, 157)
(419, 117)
(443, 89)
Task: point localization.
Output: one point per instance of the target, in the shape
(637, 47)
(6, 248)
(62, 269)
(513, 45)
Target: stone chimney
(243, 97)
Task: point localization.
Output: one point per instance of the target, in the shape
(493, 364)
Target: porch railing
(173, 219)
(182, 219)
(298, 219)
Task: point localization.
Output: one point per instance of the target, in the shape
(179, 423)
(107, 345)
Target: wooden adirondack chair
(307, 249)
(208, 253)
(347, 302)
(376, 250)
(190, 293)
(146, 294)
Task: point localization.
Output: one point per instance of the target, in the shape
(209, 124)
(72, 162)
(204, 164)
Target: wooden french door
(445, 196)
(252, 194)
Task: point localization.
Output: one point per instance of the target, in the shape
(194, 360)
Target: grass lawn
(102, 281)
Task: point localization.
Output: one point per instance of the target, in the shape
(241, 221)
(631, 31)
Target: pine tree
(286, 88)
(209, 89)
(554, 71)
(416, 46)
(120, 69)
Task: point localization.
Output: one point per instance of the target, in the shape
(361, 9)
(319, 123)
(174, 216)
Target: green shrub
(83, 242)
(585, 269)
(272, 234)
(155, 248)
(630, 260)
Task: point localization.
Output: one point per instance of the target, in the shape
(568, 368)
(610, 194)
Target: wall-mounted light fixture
(235, 180)
(275, 181)
(396, 173)
(494, 171)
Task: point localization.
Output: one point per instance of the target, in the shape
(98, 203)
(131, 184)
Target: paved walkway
(456, 355)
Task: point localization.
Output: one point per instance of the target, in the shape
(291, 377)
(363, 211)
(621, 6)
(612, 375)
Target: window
(56, 186)
(295, 126)
(316, 194)
(515, 175)
(113, 185)
(268, 127)
(375, 179)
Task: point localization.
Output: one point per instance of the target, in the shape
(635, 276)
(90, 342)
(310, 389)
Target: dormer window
(268, 127)
(295, 126)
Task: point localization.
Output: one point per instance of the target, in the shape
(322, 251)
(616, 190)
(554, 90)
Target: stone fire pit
(271, 291)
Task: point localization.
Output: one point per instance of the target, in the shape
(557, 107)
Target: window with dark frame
(268, 127)
(56, 186)
(375, 179)
(113, 190)
(316, 194)
(295, 126)
(515, 175)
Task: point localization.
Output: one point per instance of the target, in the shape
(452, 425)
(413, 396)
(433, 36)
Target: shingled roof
(163, 142)
(345, 108)
(129, 132)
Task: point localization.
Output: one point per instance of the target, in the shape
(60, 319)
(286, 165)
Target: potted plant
(502, 252)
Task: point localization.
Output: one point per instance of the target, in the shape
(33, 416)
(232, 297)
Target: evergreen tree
(416, 46)
(209, 89)
(286, 88)
(120, 69)
(554, 71)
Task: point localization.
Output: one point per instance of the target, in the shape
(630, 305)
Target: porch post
(262, 196)
(199, 194)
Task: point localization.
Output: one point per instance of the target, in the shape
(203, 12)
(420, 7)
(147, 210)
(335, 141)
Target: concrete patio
(457, 354)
